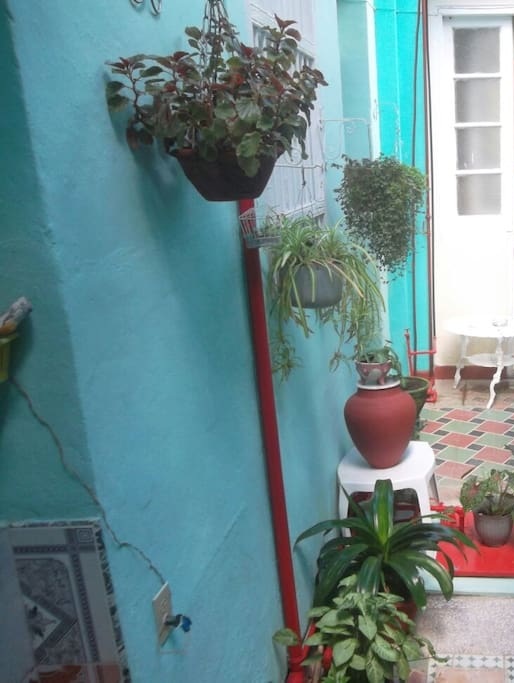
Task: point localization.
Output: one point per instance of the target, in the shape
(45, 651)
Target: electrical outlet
(162, 611)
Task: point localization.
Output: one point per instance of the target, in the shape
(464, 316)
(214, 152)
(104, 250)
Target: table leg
(463, 348)
(498, 372)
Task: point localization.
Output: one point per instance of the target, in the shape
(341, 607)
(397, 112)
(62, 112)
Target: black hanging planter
(223, 180)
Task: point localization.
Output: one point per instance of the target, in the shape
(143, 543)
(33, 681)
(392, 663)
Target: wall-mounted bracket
(5, 352)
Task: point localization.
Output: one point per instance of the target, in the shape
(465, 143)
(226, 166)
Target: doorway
(471, 75)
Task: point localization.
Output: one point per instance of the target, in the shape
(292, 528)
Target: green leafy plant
(370, 638)
(378, 356)
(386, 556)
(305, 246)
(490, 495)
(223, 98)
(380, 199)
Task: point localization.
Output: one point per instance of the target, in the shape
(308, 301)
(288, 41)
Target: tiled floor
(468, 438)
(465, 435)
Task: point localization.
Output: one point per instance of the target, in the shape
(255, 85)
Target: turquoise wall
(359, 102)
(30, 471)
(138, 352)
(397, 121)
(401, 110)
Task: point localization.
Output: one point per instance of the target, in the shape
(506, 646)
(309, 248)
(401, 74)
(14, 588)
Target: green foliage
(385, 555)
(371, 639)
(380, 199)
(222, 98)
(303, 243)
(491, 495)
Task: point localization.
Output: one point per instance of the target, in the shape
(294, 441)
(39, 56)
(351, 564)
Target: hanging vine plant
(380, 199)
(225, 110)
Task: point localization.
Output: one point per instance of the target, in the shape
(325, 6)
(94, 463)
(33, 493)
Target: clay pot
(492, 530)
(418, 388)
(380, 420)
(373, 373)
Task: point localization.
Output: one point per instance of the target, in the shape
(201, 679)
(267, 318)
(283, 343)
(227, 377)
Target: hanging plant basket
(223, 180)
(316, 287)
(222, 97)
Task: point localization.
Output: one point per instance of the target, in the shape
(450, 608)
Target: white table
(499, 329)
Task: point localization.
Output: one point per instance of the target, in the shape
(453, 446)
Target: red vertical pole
(272, 455)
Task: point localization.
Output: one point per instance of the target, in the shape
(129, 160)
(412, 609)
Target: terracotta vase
(380, 420)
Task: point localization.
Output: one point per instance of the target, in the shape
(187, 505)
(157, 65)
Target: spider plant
(323, 257)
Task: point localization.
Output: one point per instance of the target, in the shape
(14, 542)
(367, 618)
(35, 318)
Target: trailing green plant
(380, 199)
(386, 556)
(222, 97)
(370, 638)
(491, 495)
(305, 245)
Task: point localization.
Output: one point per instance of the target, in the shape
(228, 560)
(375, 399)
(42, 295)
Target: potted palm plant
(380, 199)
(225, 110)
(361, 637)
(385, 555)
(317, 269)
(491, 499)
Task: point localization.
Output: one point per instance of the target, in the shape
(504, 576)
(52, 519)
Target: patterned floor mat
(472, 669)
(56, 579)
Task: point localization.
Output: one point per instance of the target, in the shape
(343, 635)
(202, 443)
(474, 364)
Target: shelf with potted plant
(224, 110)
(9, 323)
(317, 276)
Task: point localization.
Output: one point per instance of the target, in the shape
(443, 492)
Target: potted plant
(385, 556)
(367, 637)
(316, 267)
(380, 199)
(225, 110)
(380, 416)
(418, 388)
(378, 364)
(381, 365)
(491, 499)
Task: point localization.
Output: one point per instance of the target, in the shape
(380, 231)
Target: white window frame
(296, 186)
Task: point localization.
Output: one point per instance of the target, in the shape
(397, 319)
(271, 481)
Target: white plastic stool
(414, 471)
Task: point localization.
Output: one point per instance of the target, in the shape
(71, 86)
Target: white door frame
(453, 234)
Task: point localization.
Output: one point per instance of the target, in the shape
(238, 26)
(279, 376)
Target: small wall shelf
(5, 353)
